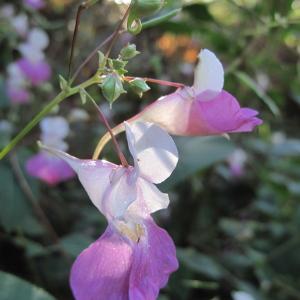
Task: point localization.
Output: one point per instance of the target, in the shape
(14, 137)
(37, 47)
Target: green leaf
(139, 86)
(15, 213)
(15, 288)
(63, 83)
(197, 153)
(246, 79)
(82, 94)
(200, 263)
(101, 60)
(75, 243)
(129, 52)
(112, 87)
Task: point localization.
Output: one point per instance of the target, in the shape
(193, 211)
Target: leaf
(197, 153)
(15, 212)
(14, 288)
(201, 263)
(75, 243)
(246, 79)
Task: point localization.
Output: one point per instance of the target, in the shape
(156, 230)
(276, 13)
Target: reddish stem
(158, 81)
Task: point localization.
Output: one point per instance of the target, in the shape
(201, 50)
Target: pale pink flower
(45, 166)
(134, 257)
(203, 109)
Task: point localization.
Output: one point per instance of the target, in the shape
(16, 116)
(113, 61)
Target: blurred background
(235, 206)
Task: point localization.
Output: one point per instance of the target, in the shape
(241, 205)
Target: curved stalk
(106, 138)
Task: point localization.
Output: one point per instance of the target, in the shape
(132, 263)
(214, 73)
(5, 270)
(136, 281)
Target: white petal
(154, 151)
(38, 39)
(55, 127)
(209, 73)
(93, 175)
(153, 198)
(30, 52)
(121, 194)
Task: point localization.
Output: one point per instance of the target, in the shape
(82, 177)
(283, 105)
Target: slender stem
(117, 31)
(91, 55)
(58, 99)
(111, 39)
(116, 145)
(158, 81)
(106, 138)
(80, 9)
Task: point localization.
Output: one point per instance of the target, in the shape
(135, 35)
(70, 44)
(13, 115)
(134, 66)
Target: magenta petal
(222, 114)
(35, 4)
(154, 261)
(18, 94)
(36, 72)
(102, 270)
(48, 168)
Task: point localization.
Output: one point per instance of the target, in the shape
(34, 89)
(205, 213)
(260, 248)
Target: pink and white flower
(33, 63)
(203, 109)
(134, 257)
(44, 165)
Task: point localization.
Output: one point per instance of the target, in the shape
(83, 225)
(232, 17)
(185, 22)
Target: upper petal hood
(209, 73)
(154, 151)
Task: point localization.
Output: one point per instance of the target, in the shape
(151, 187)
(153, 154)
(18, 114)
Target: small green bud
(144, 8)
(119, 64)
(140, 9)
(129, 52)
(101, 60)
(82, 94)
(112, 87)
(139, 86)
(63, 83)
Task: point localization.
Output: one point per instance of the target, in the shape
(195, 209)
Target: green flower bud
(112, 87)
(144, 8)
(139, 86)
(129, 52)
(140, 9)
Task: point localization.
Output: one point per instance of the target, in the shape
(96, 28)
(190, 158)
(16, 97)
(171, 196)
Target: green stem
(57, 100)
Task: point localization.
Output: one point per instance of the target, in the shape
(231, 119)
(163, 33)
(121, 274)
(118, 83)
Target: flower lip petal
(154, 151)
(209, 73)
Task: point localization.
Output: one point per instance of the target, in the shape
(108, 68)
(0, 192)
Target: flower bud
(143, 8)
(140, 9)
(139, 86)
(112, 87)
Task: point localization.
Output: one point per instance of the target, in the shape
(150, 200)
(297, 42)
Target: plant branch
(57, 100)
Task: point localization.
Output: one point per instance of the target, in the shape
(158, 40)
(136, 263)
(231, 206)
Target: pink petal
(18, 94)
(222, 114)
(36, 72)
(49, 169)
(35, 4)
(154, 261)
(102, 270)
(115, 268)
(181, 113)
